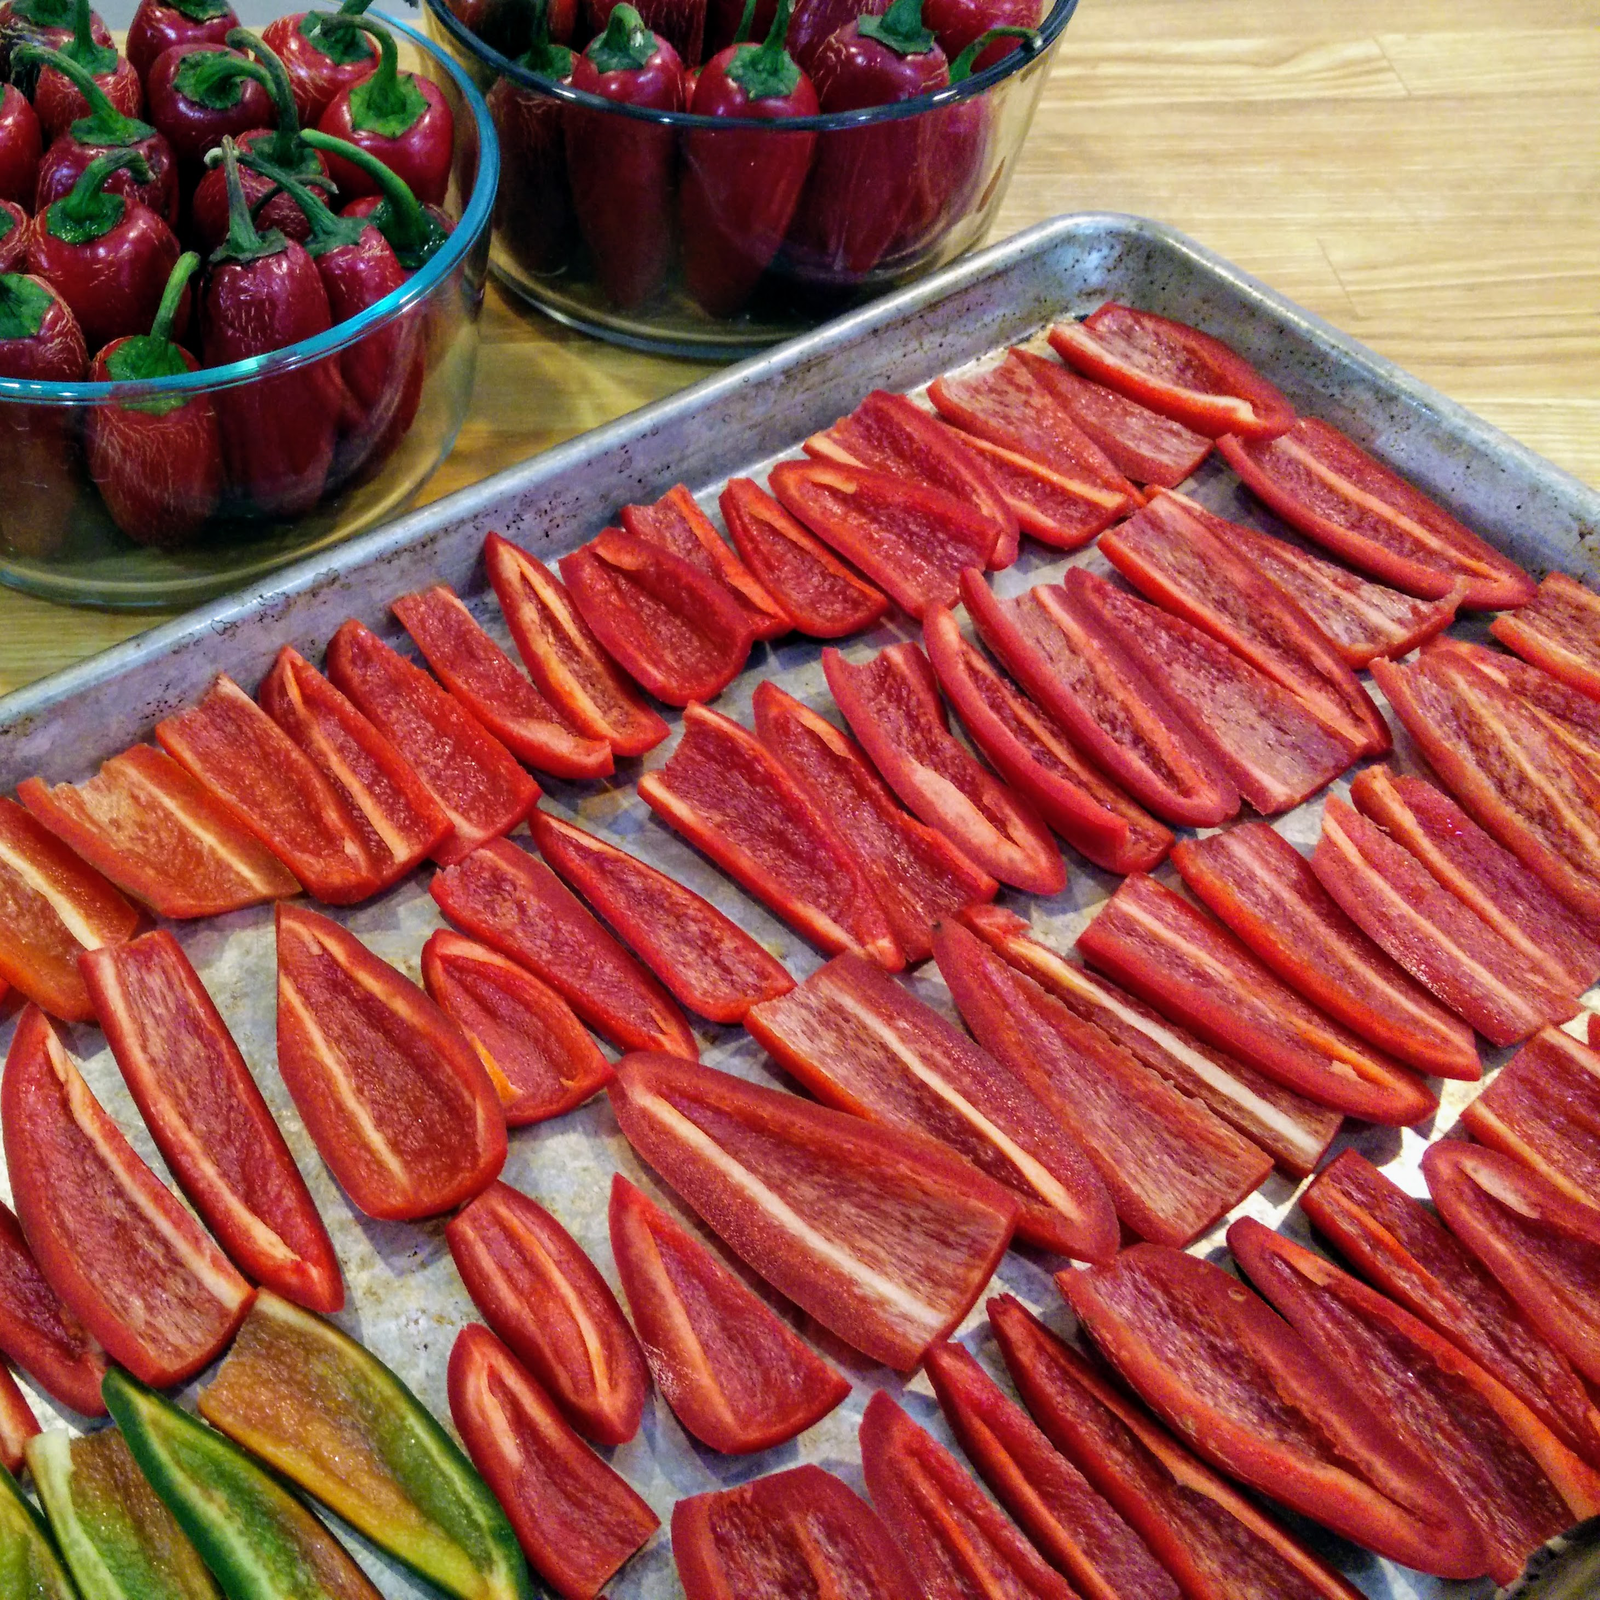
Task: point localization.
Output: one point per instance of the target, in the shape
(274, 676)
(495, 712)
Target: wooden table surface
(1423, 173)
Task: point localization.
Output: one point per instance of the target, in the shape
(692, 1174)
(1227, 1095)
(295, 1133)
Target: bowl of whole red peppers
(708, 177)
(240, 278)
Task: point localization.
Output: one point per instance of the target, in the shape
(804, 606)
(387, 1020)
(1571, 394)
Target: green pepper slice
(30, 1569)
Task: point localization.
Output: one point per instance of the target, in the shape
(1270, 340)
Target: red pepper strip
(270, 786)
(462, 765)
(888, 433)
(1403, 1248)
(480, 675)
(1294, 1131)
(392, 808)
(859, 1042)
(676, 523)
(1253, 880)
(127, 1259)
(208, 1119)
(1032, 752)
(389, 1088)
(678, 633)
(1255, 1399)
(913, 542)
(1265, 738)
(708, 962)
(159, 835)
(1174, 369)
(1069, 1522)
(540, 1293)
(916, 873)
(729, 797)
(39, 1333)
(735, 1374)
(1519, 1483)
(564, 659)
(17, 1424)
(893, 707)
(1483, 875)
(576, 1519)
(518, 906)
(539, 1057)
(821, 596)
(1327, 487)
(1170, 1166)
(800, 1532)
(1445, 945)
(958, 1542)
(1184, 560)
(1110, 710)
(1215, 1542)
(1558, 630)
(52, 907)
(1192, 969)
(886, 1238)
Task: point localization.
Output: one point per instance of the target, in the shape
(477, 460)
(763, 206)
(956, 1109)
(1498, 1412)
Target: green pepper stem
(961, 67)
(402, 219)
(625, 46)
(747, 20)
(328, 232)
(85, 49)
(23, 304)
(204, 75)
(330, 33)
(767, 71)
(286, 141)
(86, 211)
(243, 243)
(384, 93)
(104, 125)
(172, 296)
(899, 29)
(544, 55)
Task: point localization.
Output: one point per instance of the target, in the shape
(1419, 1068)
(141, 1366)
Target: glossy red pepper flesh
(158, 27)
(1558, 630)
(39, 1333)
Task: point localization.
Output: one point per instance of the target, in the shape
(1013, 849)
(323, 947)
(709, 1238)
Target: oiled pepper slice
(39, 1333)
(326, 1413)
(30, 1569)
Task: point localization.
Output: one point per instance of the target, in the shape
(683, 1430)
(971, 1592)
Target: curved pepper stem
(900, 29)
(626, 45)
(768, 72)
(44, 13)
(199, 10)
(747, 21)
(172, 296)
(243, 243)
(961, 67)
(85, 49)
(414, 233)
(388, 103)
(23, 304)
(287, 150)
(104, 125)
(332, 35)
(156, 354)
(543, 55)
(88, 213)
(214, 79)
(328, 232)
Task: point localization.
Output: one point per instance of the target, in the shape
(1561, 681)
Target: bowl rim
(1028, 51)
(467, 233)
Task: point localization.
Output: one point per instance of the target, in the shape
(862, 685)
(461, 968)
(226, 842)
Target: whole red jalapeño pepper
(415, 232)
(44, 24)
(56, 99)
(21, 145)
(201, 94)
(322, 53)
(162, 25)
(960, 24)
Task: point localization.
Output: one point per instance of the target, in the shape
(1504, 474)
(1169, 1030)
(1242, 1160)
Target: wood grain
(1423, 173)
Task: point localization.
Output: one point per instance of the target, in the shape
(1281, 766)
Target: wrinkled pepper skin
(193, 125)
(21, 146)
(320, 55)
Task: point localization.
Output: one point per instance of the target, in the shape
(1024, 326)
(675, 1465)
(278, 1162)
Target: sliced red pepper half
(563, 657)
(1558, 630)
(735, 801)
(389, 1088)
(674, 630)
(1252, 879)
(1215, 1542)
(1445, 945)
(885, 1237)
(822, 596)
(1327, 487)
(1482, 874)
(1183, 558)
(710, 964)
(1190, 968)
(1070, 1523)
(541, 1294)
(1253, 1397)
(127, 1259)
(515, 904)
(916, 873)
(576, 1518)
(1175, 369)
(462, 765)
(912, 541)
(1032, 752)
(392, 808)
(1510, 772)
(486, 681)
(208, 1119)
(274, 789)
(857, 1040)
(893, 707)
(1171, 1167)
(39, 1333)
(1293, 1130)
(1266, 739)
(17, 1426)
(800, 1532)
(1405, 1250)
(1110, 710)
(736, 1375)
(889, 433)
(957, 1541)
(53, 906)
(1519, 1483)
(159, 836)
(677, 524)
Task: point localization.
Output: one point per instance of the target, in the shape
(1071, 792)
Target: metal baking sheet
(406, 1302)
